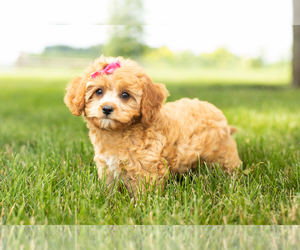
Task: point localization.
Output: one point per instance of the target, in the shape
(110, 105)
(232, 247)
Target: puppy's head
(115, 100)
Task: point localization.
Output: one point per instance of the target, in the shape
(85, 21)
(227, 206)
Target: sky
(247, 28)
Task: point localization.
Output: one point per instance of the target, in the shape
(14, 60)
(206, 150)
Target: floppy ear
(74, 98)
(154, 94)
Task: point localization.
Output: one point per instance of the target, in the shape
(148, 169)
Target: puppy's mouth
(107, 117)
(109, 122)
(111, 119)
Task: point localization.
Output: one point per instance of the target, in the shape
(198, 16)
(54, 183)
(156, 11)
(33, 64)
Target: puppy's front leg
(145, 181)
(103, 172)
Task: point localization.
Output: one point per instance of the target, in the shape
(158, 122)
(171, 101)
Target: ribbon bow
(109, 69)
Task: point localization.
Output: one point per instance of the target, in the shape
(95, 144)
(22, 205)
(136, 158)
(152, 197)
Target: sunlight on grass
(265, 76)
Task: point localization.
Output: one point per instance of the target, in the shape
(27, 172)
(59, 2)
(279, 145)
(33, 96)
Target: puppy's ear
(74, 98)
(154, 94)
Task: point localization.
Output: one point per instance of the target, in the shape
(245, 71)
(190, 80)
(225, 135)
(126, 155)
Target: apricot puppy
(135, 136)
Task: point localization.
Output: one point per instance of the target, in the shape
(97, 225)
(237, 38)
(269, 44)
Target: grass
(47, 173)
(150, 237)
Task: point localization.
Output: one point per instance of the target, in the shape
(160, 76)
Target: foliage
(125, 40)
(48, 176)
(256, 62)
(67, 51)
(221, 57)
(123, 43)
(129, 12)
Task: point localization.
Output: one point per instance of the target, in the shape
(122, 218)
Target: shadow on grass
(188, 90)
(237, 95)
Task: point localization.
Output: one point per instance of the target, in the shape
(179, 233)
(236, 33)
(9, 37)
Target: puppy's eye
(99, 92)
(125, 95)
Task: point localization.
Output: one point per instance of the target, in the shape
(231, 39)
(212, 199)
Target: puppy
(136, 137)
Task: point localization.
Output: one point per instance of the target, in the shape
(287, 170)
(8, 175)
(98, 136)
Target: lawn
(150, 237)
(47, 173)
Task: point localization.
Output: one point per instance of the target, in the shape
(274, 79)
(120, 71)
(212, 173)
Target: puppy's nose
(107, 110)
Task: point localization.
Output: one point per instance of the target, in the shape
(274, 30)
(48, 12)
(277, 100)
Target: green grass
(47, 173)
(150, 237)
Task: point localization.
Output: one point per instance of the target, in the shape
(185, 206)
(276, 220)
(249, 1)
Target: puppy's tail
(232, 130)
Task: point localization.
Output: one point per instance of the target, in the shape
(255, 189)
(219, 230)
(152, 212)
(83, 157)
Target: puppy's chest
(112, 163)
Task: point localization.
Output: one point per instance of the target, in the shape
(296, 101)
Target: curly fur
(142, 135)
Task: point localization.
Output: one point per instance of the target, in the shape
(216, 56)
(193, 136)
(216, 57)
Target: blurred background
(211, 41)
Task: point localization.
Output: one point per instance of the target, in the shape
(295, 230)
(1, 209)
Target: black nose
(107, 110)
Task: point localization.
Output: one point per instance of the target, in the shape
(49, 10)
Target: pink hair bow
(109, 69)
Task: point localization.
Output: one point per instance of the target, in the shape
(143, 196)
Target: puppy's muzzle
(107, 110)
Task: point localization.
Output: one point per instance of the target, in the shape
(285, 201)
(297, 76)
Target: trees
(126, 30)
(68, 51)
(296, 45)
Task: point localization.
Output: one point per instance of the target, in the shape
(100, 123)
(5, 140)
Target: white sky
(245, 27)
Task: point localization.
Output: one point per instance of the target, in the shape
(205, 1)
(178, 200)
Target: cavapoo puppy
(136, 137)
